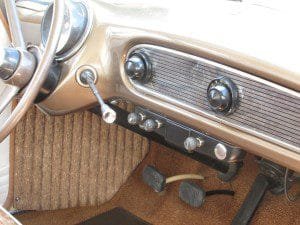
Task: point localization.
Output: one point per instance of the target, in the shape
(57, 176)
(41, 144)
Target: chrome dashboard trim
(210, 115)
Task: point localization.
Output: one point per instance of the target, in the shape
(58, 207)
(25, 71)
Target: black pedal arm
(252, 201)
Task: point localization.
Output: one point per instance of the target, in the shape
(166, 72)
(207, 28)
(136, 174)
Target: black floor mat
(116, 216)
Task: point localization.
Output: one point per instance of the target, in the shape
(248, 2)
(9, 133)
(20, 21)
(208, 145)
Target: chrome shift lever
(108, 114)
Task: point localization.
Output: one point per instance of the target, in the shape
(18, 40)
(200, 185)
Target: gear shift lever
(108, 114)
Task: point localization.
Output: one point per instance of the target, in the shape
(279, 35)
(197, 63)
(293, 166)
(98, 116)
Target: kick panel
(71, 161)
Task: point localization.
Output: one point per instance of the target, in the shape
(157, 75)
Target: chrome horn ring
(41, 71)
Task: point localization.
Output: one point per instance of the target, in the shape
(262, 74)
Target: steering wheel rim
(41, 71)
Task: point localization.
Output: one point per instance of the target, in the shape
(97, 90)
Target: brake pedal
(195, 196)
(192, 194)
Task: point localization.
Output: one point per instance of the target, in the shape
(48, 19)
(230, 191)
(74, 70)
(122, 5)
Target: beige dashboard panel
(236, 38)
(254, 36)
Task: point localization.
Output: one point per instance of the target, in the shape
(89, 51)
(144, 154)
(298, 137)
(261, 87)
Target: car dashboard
(208, 82)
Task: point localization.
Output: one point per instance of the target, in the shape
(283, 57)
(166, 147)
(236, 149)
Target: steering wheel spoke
(39, 72)
(7, 95)
(14, 24)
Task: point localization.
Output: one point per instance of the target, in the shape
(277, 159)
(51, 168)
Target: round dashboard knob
(133, 118)
(150, 125)
(222, 95)
(219, 97)
(137, 67)
(191, 143)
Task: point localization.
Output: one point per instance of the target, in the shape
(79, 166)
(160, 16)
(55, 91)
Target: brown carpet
(73, 160)
(167, 209)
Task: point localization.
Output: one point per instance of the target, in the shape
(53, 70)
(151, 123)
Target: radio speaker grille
(266, 109)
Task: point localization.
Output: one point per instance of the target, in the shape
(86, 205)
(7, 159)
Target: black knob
(137, 67)
(222, 95)
(219, 97)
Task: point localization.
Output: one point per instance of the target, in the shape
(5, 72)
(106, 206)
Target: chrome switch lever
(108, 114)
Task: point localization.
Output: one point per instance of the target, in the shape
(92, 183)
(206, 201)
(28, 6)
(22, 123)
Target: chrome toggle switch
(88, 77)
(151, 125)
(135, 118)
(191, 143)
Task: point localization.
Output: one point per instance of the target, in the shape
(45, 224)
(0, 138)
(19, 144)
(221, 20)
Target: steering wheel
(37, 74)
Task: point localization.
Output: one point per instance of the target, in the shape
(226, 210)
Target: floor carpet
(167, 209)
(73, 160)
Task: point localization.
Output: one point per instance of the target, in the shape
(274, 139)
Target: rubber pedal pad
(191, 194)
(154, 178)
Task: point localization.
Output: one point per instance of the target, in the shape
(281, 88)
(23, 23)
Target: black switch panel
(176, 133)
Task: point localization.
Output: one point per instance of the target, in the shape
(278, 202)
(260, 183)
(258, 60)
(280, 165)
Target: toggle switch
(151, 125)
(191, 143)
(88, 77)
(135, 118)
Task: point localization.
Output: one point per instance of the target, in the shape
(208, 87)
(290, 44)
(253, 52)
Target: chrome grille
(266, 109)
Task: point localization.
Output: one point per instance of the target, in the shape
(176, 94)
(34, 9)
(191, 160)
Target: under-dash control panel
(184, 137)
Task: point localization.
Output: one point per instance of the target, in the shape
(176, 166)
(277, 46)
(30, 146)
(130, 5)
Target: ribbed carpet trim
(72, 160)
